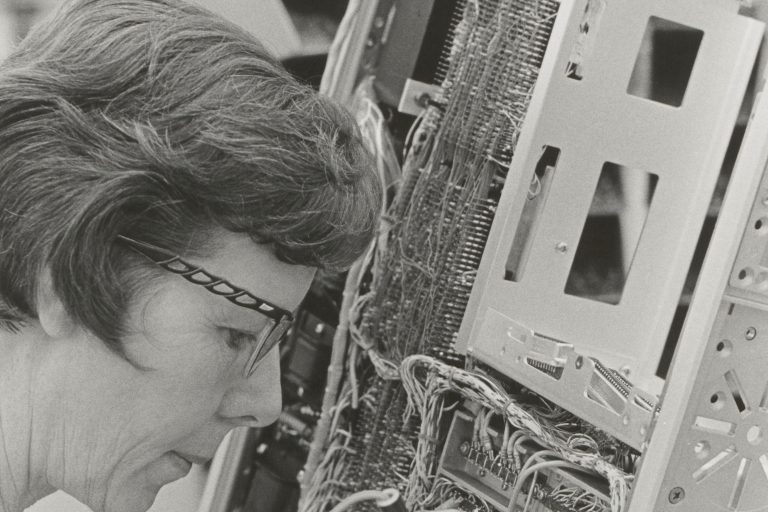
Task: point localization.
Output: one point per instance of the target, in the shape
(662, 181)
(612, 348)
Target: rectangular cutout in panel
(664, 66)
(739, 484)
(737, 391)
(715, 464)
(585, 41)
(607, 246)
(529, 219)
(713, 426)
(764, 464)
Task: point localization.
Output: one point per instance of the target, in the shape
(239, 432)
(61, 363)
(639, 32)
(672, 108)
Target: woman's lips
(168, 468)
(194, 459)
(182, 464)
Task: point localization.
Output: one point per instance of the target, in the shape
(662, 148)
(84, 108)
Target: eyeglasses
(282, 319)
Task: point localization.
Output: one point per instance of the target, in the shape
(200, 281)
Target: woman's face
(127, 431)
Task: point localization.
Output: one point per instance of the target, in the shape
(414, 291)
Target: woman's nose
(255, 401)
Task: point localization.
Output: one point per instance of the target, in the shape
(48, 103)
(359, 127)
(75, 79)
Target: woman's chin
(130, 498)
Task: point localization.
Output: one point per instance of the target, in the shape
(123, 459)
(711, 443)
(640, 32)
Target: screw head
(464, 448)
(676, 495)
(423, 99)
(579, 362)
(561, 247)
(751, 333)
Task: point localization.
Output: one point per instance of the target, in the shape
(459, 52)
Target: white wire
(361, 496)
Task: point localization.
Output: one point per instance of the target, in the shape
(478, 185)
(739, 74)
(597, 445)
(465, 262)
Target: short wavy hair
(159, 120)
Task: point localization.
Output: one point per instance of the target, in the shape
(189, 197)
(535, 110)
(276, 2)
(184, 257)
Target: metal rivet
(751, 333)
(579, 362)
(423, 99)
(561, 247)
(676, 495)
(464, 448)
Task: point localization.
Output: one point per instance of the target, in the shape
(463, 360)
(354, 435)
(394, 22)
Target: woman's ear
(51, 313)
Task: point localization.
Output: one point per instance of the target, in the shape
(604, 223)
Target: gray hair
(158, 120)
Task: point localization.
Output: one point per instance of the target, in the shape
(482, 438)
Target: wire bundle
(416, 281)
(427, 379)
(578, 499)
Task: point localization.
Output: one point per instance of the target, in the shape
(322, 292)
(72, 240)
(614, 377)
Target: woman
(166, 195)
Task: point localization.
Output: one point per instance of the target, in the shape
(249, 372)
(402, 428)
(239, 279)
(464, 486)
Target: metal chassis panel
(723, 310)
(593, 121)
(629, 420)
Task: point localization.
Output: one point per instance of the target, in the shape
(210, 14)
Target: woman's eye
(238, 339)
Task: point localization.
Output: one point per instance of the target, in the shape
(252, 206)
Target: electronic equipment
(551, 319)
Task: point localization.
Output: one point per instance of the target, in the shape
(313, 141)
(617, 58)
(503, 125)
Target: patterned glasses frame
(282, 319)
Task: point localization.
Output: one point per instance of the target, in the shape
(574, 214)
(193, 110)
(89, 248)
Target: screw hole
(761, 225)
(724, 348)
(717, 401)
(746, 276)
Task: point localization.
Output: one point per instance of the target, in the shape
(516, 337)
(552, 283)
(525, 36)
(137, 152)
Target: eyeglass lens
(273, 337)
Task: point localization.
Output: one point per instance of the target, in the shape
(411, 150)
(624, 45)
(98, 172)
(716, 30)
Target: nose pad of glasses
(272, 337)
(263, 345)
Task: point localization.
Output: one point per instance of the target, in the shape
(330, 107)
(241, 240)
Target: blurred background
(289, 28)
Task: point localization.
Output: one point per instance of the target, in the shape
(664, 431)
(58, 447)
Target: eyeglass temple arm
(164, 258)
